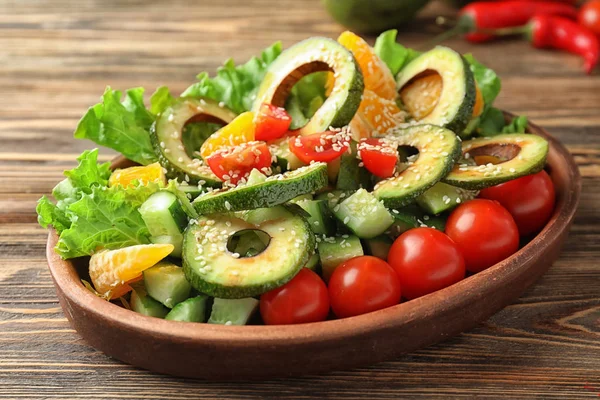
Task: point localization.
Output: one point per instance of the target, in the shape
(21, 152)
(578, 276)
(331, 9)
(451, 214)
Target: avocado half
(373, 16)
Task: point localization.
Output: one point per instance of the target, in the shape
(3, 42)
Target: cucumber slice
(276, 189)
(163, 214)
(378, 246)
(166, 135)
(438, 149)
(232, 311)
(443, 197)
(141, 303)
(404, 219)
(363, 214)
(165, 282)
(191, 191)
(521, 154)
(454, 106)
(190, 310)
(335, 250)
(302, 197)
(213, 269)
(321, 220)
(286, 160)
(313, 55)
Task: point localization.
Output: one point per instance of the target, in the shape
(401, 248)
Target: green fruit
(373, 16)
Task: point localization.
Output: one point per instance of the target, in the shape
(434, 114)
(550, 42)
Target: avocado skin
(373, 16)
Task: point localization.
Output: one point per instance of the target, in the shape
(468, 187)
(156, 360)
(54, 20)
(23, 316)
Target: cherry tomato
(484, 231)
(361, 285)
(301, 300)
(530, 200)
(233, 164)
(589, 16)
(324, 147)
(426, 260)
(271, 122)
(379, 158)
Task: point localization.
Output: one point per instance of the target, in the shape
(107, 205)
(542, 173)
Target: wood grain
(55, 59)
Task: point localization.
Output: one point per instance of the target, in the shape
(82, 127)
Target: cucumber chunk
(232, 311)
(313, 262)
(141, 303)
(351, 175)
(166, 283)
(443, 197)
(286, 160)
(335, 250)
(404, 219)
(438, 148)
(165, 219)
(212, 268)
(190, 310)
(520, 154)
(363, 214)
(378, 246)
(321, 220)
(276, 189)
(175, 240)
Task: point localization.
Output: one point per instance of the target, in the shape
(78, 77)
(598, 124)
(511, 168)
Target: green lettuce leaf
(517, 125)
(393, 54)
(236, 86)
(305, 98)
(87, 174)
(487, 80)
(121, 126)
(160, 100)
(494, 124)
(105, 218)
(49, 214)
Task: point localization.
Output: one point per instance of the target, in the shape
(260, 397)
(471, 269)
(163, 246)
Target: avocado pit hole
(494, 153)
(248, 242)
(196, 130)
(422, 93)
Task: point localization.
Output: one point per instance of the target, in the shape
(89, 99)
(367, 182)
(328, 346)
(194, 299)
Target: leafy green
(488, 82)
(105, 218)
(121, 126)
(305, 98)
(517, 125)
(88, 173)
(236, 86)
(50, 214)
(494, 124)
(160, 100)
(393, 54)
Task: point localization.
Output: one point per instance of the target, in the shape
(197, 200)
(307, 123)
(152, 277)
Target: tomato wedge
(320, 147)
(234, 164)
(378, 156)
(271, 122)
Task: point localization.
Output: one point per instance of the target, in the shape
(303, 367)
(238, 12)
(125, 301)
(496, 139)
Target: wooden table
(55, 59)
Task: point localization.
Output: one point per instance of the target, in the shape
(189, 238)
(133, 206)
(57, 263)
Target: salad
(325, 181)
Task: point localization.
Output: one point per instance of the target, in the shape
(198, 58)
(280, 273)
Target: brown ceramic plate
(238, 352)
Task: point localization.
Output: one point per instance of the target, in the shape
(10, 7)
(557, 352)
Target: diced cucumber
(190, 310)
(321, 220)
(379, 246)
(443, 197)
(232, 311)
(176, 241)
(313, 263)
(166, 282)
(141, 303)
(334, 197)
(363, 214)
(286, 160)
(191, 191)
(335, 250)
(405, 218)
(437, 222)
(164, 216)
(255, 177)
(351, 176)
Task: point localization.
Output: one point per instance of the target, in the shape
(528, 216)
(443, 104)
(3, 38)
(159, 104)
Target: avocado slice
(454, 106)
(212, 269)
(276, 189)
(519, 154)
(438, 148)
(166, 135)
(308, 56)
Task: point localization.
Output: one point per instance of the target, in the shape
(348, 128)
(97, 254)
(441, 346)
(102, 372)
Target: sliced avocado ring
(275, 190)
(212, 269)
(454, 107)
(166, 135)
(439, 149)
(314, 55)
(520, 154)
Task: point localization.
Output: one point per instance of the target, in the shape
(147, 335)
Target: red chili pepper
(547, 31)
(484, 15)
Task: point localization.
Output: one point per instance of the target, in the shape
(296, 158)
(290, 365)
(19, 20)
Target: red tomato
(589, 16)
(271, 122)
(324, 147)
(484, 231)
(379, 159)
(235, 163)
(426, 260)
(361, 285)
(530, 200)
(301, 300)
